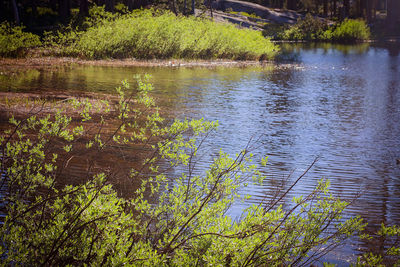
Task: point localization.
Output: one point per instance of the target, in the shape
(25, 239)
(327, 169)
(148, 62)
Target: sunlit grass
(144, 35)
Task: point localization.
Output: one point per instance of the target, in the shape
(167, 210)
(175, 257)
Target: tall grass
(144, 35)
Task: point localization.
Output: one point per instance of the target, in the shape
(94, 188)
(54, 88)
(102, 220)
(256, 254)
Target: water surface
(338, 103)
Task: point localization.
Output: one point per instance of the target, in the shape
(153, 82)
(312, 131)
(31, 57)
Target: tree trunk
(346, 6)
(34, 13)
(292, 4)
(316, 7)
(172, 6)
(83, 8)
(16, 13)
(64, 10)
(368, 9)
(325, 8)
(129, 4)
(110, 5)
(193, 6)
(361, 8)
(334, 8)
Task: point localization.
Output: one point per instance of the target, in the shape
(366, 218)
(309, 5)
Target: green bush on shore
(147, 36)
(314, 29)
(14, 41)
(351, 30)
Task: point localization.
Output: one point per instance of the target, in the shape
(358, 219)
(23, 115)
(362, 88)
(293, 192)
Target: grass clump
(14, 41)
(145, 35)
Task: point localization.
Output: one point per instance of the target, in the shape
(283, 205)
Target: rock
(269, 14)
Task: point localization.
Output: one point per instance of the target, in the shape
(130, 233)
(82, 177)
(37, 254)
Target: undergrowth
(14, 41)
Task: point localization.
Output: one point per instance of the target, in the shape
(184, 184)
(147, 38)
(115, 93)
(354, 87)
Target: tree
(16, 12)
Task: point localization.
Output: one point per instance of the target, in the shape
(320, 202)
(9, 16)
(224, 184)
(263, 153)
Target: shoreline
(10, 65)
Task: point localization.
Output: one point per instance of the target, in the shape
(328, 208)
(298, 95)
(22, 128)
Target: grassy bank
(144, 35)
(147, 34)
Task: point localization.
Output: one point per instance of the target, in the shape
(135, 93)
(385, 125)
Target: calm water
(338, 103)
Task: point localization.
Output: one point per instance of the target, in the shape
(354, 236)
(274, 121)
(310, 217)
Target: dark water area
(338, 103)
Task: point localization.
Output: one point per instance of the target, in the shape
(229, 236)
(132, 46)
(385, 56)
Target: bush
(145, 35)
(308, 29)
(14, 41)
(312, 29)
(351, 30)
(177, 221)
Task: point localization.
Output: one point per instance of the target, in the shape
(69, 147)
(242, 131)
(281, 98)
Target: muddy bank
(12, 65)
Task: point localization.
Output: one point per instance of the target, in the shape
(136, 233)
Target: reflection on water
(338, 103)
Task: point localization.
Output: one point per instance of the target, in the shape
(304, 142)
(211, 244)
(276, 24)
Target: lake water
(338, 103)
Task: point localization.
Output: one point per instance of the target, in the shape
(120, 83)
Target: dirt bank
(12, 65)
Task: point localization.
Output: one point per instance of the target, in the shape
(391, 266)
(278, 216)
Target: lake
(337, 103)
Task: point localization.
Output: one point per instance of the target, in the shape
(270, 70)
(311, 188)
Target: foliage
(351, 30)
(14, 41)
(146, 35)
(313, 29)
(390, 235)
(165, 221)
(309, 28)
(66, 36)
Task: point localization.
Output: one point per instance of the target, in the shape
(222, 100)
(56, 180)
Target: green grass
(144, 35)
(249, 15)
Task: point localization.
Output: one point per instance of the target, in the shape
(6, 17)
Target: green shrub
(165, 221)
(146, 35)
(389, 255)
(59, 41)
(308, 29)
(313, 29)
(14, 41)
(351, 30)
